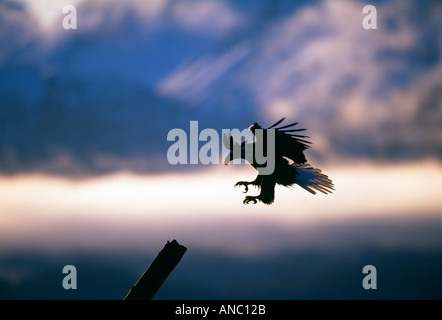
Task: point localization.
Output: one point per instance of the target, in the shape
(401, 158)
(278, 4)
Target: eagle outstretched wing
(288, 143)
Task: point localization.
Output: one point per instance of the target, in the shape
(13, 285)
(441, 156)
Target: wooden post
(157, 272)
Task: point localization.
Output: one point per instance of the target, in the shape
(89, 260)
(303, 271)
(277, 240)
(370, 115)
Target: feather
(289, 125)
(291, 130)
(275, 124)
(312, 179)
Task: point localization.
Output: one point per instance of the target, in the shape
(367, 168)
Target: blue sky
(132, 72)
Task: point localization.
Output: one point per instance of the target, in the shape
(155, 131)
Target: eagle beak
(227, 159)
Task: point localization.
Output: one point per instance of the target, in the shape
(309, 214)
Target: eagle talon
(242, 183)
(249, 199)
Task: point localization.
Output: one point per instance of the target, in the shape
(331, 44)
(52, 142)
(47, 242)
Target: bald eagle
(290, 164)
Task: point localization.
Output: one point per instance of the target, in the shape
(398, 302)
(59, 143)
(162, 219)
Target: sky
(85, 113)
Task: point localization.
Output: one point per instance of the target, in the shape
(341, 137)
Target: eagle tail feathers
(312, 179)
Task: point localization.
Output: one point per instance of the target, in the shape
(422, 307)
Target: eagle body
(290, 165)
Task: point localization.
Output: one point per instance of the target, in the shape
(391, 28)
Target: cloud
(207, 16)
(103, 97)
(363, 93)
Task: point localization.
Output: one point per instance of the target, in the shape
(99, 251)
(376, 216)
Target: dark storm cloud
(87, 105)
(103, 97)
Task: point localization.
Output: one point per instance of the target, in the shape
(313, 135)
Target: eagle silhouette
(290, 165)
